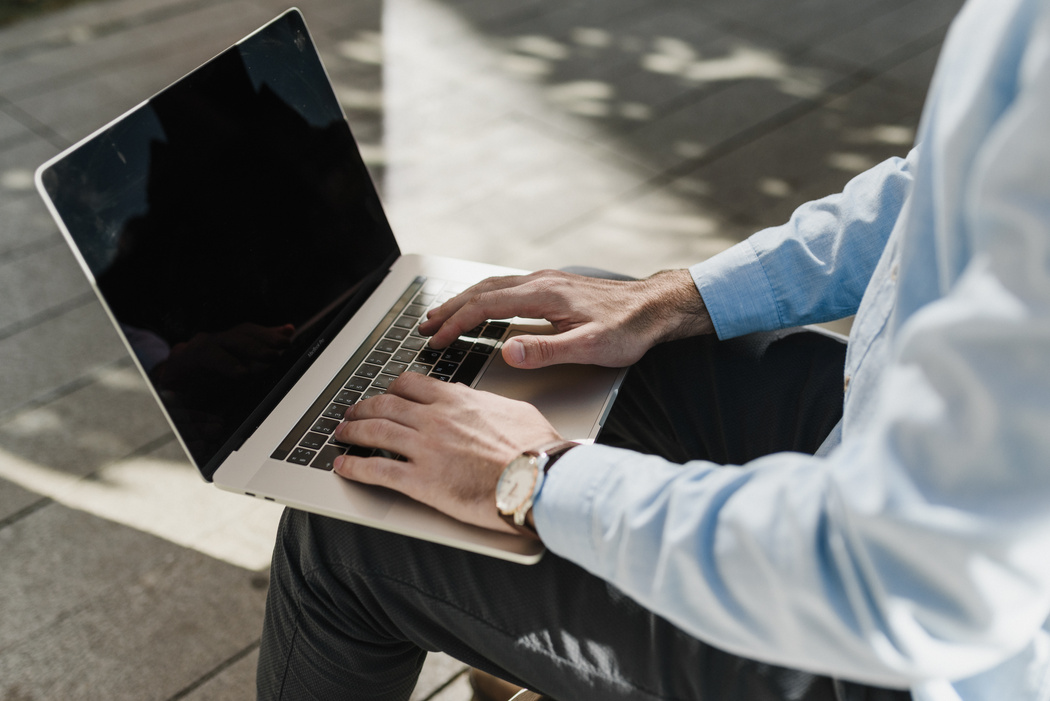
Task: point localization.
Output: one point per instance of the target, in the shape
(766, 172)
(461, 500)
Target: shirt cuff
(564, 511)
(737, 292)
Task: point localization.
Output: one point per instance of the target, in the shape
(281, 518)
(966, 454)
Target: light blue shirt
(916, 551)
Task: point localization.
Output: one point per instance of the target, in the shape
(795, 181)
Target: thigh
(353, 609)
(731, 401)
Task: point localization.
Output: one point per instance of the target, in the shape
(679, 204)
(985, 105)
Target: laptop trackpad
(571, 397)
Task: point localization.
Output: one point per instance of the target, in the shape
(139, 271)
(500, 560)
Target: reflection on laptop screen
(228, 223)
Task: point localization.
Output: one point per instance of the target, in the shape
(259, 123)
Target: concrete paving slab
(914, 73)
(14, 500)
(25, 225)
(56, 352)
(138, 619)
(638, 236)
(698, 128)
(813, 156)
(795, 25)
(11, 130)
(866, 43)
(19, 163)
(36, 282)
(86, 21)
(234, 683)
(110, 418)
(435, 676)
(193, 28)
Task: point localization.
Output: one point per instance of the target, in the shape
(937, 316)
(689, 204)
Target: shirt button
(845, 384)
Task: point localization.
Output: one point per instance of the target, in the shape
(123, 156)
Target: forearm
(671, 307)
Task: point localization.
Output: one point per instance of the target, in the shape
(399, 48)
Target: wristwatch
(521, 481)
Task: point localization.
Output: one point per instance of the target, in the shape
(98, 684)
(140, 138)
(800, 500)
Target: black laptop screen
(230, 225)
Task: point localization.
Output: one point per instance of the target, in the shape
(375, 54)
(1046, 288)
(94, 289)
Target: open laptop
(234, 236)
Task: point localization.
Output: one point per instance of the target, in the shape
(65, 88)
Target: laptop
(233, 234)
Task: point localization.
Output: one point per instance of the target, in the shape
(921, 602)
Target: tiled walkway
(629, 134)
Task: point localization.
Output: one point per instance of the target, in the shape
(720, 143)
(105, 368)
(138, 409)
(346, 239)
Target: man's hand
(598, 322)
(456, 440)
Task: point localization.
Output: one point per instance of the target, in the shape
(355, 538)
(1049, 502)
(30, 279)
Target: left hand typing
(456, 441)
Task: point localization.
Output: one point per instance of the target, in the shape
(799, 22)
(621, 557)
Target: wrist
(674, 306)
(522, 481)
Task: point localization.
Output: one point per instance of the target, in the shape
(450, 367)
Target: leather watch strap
(553, 451)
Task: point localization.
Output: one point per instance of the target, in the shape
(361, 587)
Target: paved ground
(630, 134)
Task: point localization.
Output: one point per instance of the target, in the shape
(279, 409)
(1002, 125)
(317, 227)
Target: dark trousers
(352, 610)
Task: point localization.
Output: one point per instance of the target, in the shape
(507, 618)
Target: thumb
(530, 352)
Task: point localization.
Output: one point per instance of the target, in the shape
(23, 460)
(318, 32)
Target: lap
(353, 608)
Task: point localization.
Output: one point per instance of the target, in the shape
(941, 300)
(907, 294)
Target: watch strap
(552, 451)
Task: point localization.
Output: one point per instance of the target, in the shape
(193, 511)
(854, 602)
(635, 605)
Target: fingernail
(338, 463)
(515, 351)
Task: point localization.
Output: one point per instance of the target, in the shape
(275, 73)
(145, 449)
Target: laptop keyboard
(393, 348)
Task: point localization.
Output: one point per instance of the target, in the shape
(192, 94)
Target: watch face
(515, 485)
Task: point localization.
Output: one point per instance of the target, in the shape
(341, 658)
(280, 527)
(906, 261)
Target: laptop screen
(231, 227)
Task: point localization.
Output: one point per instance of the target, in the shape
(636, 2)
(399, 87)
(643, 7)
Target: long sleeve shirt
(915, 551)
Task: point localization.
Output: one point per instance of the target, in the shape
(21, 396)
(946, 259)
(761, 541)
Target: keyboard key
(325, 426)
(386, 346)
(383, 381)
(420, 368)
(424, 299)
(454, 355)
(368, 371)
(347, 397)
(469, 368)
(405, 355)
(301, 456)
(406, 322)
(416, 310)
(494, 331)
(397, 334)
(462, 344)
(429, 356)
(326, 457)
(484, 346)
(443, 378)
(360, 451)
(414, 343)
(395, 368)
(314, 441)
(445, 368)
(373, 392)
(357, 384)
(334, 411)
(377, 358)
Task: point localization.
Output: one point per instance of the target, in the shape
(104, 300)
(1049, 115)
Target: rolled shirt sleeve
(815, 267)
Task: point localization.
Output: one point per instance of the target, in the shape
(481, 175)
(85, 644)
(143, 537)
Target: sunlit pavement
(622, 134)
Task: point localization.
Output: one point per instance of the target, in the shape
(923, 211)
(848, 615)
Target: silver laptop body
(235, 238)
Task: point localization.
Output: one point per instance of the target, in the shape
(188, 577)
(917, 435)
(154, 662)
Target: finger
(385, 472)
(381, 433)
(530, 352)
(438, 315)
(385, 406)
(419, 389)
(532, 298)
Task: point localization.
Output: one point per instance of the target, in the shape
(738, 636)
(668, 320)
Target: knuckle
(545, 350)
